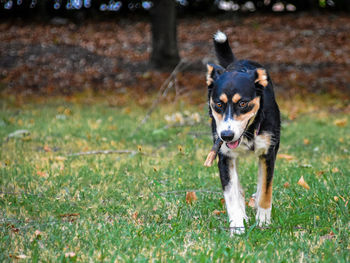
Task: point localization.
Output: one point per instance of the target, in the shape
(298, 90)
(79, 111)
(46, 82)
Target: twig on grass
(163, 90)
(103, 152)
(189, 190)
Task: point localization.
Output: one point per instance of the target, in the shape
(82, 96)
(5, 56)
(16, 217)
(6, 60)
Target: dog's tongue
(232, 145)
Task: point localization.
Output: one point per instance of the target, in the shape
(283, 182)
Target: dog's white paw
(237, 228)
(263, 216)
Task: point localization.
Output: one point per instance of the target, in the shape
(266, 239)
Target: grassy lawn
(56, 206)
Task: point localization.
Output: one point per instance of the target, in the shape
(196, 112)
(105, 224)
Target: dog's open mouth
(233, 145)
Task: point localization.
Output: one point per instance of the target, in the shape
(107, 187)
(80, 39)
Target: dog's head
(234, 100)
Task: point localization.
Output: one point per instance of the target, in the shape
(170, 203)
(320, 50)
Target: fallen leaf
(67, 112)
(285, 156)
(251, 202)
(60, 158)
(302, 183)
(329, 236)
(306, 141)
(222, 200)
(69, 255)
(47, 148)
(218, 212)
(37, 233)
(21, 256)
(14, 229)
(319, 173)
(286, 185)
(134, 215)
(70, 217)
(335, 170)
(191, 197)
(340, 122)
(342, 198)
(42, 174)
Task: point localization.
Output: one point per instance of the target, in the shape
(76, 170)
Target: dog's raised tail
(222, 49)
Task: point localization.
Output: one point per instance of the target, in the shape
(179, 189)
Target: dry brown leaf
(251, 202)
(14, 229)
(306, 141)
(286, 185)
(21, 256)
(335, 170)
(340, 122)
(71, 217)
(37, 233)
(218, 212)
(342, 198)
(222, 200)
(60, 158)
(191, 197)
(303, 183)
(328, 236)
(134, 215)
(42, 174)
(285, 156)
(69, 255)
(47, 148)
(319, 173)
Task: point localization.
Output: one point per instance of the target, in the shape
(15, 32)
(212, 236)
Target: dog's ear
(261, 77)
(213, 72)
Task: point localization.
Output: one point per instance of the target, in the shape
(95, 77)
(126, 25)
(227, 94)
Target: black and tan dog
(245, 116)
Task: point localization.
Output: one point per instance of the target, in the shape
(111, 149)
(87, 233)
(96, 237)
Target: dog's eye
(243, 104)
(219, 105)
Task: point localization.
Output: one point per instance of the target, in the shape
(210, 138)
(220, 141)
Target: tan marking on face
(266, 190)
(216, 115)
(223, 98)
(247, 116)
(236, 98)
(209, 78)
(262, 77)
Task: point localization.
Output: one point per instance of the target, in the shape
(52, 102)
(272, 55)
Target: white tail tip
(220, 37)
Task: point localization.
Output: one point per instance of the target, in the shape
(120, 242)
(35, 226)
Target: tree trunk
(165, 54)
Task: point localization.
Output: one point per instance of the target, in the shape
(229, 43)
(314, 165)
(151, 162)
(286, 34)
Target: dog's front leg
(233, 194)
(264, 189)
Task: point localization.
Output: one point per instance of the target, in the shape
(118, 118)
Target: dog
(245, 116)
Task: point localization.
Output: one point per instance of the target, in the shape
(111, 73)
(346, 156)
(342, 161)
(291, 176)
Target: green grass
(132, 207)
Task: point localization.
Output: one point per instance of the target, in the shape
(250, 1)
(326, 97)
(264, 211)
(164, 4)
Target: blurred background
(121, 49)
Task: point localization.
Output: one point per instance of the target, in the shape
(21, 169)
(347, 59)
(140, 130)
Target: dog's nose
(227, 135)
